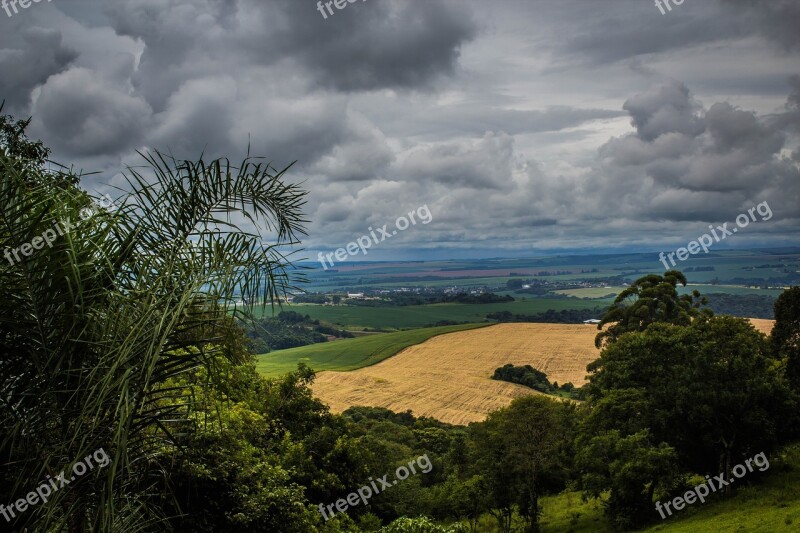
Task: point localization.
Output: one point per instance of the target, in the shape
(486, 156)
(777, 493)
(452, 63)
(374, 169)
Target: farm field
(600, 292)
(448, 376)
(416, 316)
(591, 292)
(349, 354)
(763, 325)
(728, 265)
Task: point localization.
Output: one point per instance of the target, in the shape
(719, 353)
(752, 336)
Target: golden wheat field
(448, 377)
(763, 325)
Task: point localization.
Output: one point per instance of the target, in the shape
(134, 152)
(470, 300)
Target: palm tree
(96, 322)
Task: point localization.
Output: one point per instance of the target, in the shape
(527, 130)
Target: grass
(349, 354)
(418, 316)
(591, 292)
(599, 292)
(771, 505)
(729, 289)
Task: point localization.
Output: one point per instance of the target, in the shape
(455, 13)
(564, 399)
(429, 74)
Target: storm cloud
(524, 126)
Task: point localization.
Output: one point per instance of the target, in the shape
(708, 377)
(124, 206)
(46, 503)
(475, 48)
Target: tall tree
(711, 391)
(113, 307)
(786, 333)
(652, 298)
(521, 450)
(631, 469)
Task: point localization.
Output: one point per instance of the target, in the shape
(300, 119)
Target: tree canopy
(652, 298)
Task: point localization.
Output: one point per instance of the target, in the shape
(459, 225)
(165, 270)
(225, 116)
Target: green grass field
(349, 354)
(772, 505)
(729, 289)
(417, 316)
(591, 293)
(728, 264)
(598, 292)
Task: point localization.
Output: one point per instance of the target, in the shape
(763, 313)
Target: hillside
(772, 505)
(349, 354)
(448, 377)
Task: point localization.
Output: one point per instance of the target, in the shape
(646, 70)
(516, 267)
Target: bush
(420, 525)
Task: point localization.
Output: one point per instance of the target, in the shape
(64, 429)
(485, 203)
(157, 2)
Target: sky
(525, 127)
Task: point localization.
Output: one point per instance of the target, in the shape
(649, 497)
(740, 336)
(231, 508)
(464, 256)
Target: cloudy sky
(525, 126)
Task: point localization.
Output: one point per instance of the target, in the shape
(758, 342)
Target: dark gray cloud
(522, 125)
(626, 30)
(664, 109)
(776, 20)
(687, 163)
(86, 117)
(376, 44)
(486, 163)
(621, 30)
(429, 120)
(27, 59)
(367, 46)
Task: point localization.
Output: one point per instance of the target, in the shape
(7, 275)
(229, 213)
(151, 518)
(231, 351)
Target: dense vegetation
(535, 379)
(551, 316)
(746, 305)
(428, 298)
(290, 330)
(98, 325)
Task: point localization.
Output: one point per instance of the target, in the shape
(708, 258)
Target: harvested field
(448, 377)
(763, 325)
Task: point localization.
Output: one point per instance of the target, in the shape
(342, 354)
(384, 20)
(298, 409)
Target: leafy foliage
(419, 525)
(649, 299)
(551, 316)
(711, 393)
(521, 452)
(742, 305)
(28, 158)
(530, 377)
(123, 302)
(786, 333)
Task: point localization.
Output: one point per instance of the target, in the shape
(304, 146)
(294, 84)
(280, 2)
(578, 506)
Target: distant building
(591, 321)
(355, 295)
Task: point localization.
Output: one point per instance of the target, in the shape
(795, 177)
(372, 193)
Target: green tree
(468, 499)
(521, 449)
(712, 391)
(28, 158)
(514, 284)
(257, 452)
(96, 323)
(420, 525)
(786, 333)
(632, 469)
(649, 299)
